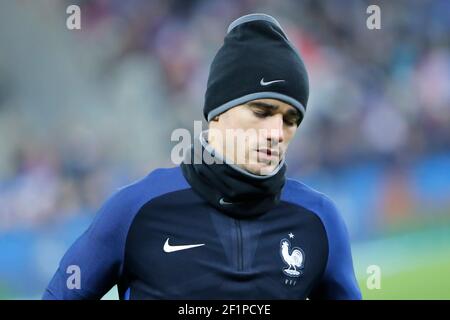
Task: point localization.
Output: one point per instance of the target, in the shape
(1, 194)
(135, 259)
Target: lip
(268, 152)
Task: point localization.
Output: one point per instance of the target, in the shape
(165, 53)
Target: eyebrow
(260, 104)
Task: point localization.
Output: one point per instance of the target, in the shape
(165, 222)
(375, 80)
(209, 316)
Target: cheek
(289, 133)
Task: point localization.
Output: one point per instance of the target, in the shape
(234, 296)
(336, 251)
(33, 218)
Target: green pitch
(430, 281)
(413, 266)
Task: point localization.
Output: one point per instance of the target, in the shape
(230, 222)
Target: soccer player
(232, 228)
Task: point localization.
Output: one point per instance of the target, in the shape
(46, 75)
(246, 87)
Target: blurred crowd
(84, 112)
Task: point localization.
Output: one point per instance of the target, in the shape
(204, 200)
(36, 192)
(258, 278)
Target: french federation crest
(294, 258)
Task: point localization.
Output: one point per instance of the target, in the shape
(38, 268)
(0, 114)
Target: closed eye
(261, 114)
(291, 121)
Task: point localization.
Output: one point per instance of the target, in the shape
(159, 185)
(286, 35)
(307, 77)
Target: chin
(266, 170)
(260, 169)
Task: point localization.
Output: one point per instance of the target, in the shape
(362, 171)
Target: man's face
(255, 135)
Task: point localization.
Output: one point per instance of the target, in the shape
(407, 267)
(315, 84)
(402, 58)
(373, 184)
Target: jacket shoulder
(157, 182)
(121, 207)
(317, 202)
(301, 194)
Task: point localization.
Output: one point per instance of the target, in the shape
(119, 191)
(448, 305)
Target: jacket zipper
(239, 246)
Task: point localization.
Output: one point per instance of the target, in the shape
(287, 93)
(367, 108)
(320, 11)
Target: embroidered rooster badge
(294, 259)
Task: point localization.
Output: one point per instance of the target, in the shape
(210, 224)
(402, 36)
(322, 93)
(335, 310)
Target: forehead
(280, 105)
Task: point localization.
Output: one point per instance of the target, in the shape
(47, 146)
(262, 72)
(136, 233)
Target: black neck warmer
(228, 187)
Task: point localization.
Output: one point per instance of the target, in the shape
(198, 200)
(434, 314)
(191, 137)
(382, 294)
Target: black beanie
(256, 61)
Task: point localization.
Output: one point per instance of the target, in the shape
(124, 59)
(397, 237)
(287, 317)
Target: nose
(275, 133)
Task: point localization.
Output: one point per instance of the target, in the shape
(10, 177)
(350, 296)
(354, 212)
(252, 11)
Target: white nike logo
(168, 248)
(223, 202)
(263, 83)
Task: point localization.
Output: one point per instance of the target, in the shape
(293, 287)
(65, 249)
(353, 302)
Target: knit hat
(256, 61)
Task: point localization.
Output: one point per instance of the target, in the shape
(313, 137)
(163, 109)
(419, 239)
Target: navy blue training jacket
(157, 239)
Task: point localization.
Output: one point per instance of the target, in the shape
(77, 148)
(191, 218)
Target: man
(231, 228)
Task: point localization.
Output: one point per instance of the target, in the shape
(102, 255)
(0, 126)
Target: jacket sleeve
(338, 281)
(91, 266)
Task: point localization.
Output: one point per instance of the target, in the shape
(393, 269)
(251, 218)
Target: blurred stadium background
(84, 112)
